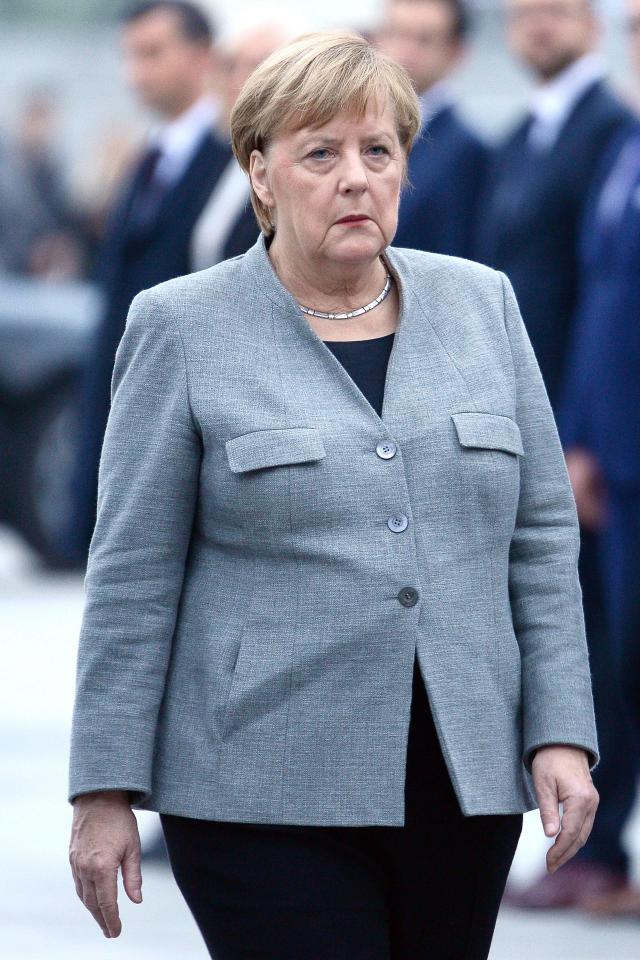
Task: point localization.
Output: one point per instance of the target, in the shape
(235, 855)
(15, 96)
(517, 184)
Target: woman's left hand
(561, 775)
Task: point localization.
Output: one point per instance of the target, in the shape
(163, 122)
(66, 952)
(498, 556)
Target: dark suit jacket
(131, 260)
(600, 407)
(244, 233)
(529, 215)
(446, 168)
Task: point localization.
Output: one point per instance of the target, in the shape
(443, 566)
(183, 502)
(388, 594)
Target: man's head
(167, 47)
(425, 36)
(549, 35)
(245, 51)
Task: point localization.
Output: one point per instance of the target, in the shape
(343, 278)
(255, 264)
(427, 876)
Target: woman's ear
(258, 175)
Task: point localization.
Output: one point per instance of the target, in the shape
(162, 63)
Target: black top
(366, 362)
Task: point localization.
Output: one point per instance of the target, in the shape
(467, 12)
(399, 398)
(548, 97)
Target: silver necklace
(350, 313)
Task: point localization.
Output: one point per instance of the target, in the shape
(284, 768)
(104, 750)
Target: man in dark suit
(599, 424)
(168, 57)
(528, 226)
(540, 175)
(447, 162)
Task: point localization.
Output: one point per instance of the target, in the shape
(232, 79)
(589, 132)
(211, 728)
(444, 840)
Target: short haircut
(195, 25)
(459, 14)
(307, 83)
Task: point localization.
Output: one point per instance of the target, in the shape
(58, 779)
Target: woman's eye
(379, 150)
(320, 154)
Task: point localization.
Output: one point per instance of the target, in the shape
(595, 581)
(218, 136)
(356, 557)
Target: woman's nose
(353, 174)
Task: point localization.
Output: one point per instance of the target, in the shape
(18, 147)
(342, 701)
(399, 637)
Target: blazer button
(408, 596)
(398, 522)
(386, 449)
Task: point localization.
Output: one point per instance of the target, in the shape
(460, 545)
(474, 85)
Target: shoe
(624, 902)
(568, 886)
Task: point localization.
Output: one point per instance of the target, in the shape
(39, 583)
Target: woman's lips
(360, 219)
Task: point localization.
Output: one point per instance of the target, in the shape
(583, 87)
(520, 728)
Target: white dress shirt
(552, 102)
(179, 139)
(230, 195)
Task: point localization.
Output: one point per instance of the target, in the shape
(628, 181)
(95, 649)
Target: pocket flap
(490, 430)
(270, 448)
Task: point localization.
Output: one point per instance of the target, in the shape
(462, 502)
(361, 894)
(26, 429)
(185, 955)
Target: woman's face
(313, 178)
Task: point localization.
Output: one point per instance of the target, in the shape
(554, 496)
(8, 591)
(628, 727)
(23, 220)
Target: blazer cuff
(135, 794)
(590, 750)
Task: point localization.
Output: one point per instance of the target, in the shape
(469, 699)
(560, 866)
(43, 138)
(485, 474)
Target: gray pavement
(41, 917)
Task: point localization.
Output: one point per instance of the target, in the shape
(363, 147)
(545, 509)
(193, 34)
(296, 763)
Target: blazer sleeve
(147, 492)
(544, 587)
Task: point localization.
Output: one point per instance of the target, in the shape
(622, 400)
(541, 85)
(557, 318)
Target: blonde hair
(307, 83)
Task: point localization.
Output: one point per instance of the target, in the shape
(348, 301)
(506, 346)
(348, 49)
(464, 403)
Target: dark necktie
(150, 190)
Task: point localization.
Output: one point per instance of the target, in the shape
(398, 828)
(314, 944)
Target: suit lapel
(201, 173)
(574, 122)
(206, 165)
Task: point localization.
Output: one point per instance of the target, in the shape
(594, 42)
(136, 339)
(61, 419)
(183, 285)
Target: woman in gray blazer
(333, 630)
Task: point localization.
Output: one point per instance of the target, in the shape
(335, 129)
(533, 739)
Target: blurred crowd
(555, 204)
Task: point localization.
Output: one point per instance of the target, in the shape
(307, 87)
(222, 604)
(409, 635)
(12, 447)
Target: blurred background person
(539, 176)
(227, 225)
(98, 176)
(600, 428)
(36, 151)
(57, 253)
(528, 223)
(446, 166)
(23, 216)
(39, 235)
(168, 55)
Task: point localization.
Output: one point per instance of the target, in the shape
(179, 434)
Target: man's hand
(588, 486)
(104, 835)
(561, 775)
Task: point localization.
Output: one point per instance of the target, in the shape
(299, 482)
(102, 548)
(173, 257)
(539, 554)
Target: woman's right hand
(104, 836)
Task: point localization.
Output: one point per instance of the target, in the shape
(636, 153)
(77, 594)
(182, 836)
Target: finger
(90, 901)
(78, 884)
(76, 879)
(580, 817)
(591, 818)
(568, 841)
(107, 896)
(582, 838)
(131, 873)
(549, 808)
(556, 859)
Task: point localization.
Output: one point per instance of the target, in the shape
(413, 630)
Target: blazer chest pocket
(273, 448)
(489, 431)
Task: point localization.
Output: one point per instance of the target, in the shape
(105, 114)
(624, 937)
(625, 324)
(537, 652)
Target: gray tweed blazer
(270, 554)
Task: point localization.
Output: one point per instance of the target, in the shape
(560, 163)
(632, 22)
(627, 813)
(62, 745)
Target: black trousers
(428, 890)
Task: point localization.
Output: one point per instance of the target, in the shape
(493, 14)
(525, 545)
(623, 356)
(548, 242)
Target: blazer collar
(400, 405)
